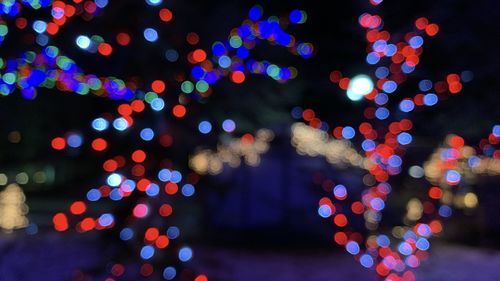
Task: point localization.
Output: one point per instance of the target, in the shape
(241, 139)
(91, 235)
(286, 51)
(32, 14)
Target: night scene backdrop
(242, 140)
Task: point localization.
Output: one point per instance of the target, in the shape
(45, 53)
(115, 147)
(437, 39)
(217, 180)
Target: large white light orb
(359, 86)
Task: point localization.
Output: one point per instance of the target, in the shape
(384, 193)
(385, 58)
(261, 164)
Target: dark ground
(27, 258)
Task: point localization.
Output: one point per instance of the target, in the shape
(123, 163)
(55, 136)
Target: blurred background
(256, 219)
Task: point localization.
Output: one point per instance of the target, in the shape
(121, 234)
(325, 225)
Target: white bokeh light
(359, 86)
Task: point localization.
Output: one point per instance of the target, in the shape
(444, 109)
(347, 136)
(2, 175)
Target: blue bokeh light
(185, 254)
(150, 34)
(204, 127)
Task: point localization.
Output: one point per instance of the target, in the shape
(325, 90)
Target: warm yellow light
(314, 142)
(231, 152)
(3, 179)
(14, 137)
(13, 210)
(470, 200)
(414, 209)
